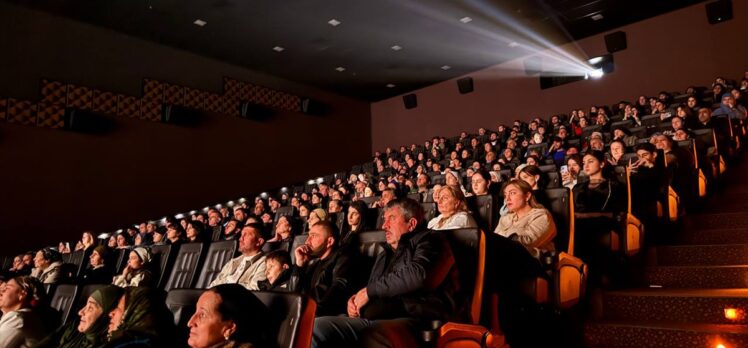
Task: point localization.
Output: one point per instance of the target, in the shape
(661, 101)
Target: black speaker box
(465, 85)
(84, 121)
(410, 101)
(181, 116)
(252, 111)
(615, 42)
(719, 11)
(313, 107)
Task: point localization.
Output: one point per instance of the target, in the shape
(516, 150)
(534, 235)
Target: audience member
(249, 268)
(22, 324)
(527, 221)
(99, 271)
(137, 272)
(47, 266)
(277, 272)
(453, 211)
(140, 319)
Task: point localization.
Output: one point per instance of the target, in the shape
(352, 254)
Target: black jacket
(330, 282)
(282, 284)
(416, 280)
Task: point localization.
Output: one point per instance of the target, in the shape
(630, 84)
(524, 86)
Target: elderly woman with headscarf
(140, 319)
(21, 324)
(136, 273)
(90, 329)
(99, 270)
(47, 265)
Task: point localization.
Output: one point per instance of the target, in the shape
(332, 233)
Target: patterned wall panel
(150, 110)
(54, 92)
(194, 98)
(21, 112)
(213, 103)
(50, 115)
(128, 106)
(153, 90)
(3, 108)
(79, 97)
(104, 102)
(174, 94)
(231, 87)
(230, 105)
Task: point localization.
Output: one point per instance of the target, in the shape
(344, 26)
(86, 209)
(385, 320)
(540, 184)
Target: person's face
(354, 217)
(239, 215)
(616, 149)
(157, 237)
(573, 166)
(597, 144)
(96, 259)
(583, 122)
(207, 328)
(315, 199)
(704, 115)
(729, 101)
(532, 180)
(121, 241)
(39, 261)
(214, 219)
(618, 134)
(17, 262)
(600, 119)
(691, 102)
(138, 239)
(313, 218)
(680, 135)
(116, 315)
(646, 156)
(334, 207)
(273, 269)
(12, 295)
(514, 198)
(531, 161)
(677, 123)
(395, 225)
(562, 133)
(318, 241)
(112, 242)
(87, 239)
(27, 259)
(422, 180)
(508, 153)
(591, 165)
(142, 228)
(367, 192)
(149, 228)
(447, 203)
(89, 314)
(250, 240)
(387, 196)
(191, 232)
(381, 186)
(134, 261)
(435, 192)
(451, 180)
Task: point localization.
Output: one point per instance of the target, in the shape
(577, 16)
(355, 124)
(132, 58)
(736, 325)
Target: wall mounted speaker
(84, 121)
(615, 42)
(465, 85)
(719, 11)
(410, 101)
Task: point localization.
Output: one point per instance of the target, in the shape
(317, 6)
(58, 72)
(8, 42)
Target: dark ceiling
(430, 34)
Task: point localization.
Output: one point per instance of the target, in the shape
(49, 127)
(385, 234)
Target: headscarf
(69, 336)
(146, 317)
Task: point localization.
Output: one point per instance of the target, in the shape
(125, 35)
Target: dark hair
(247, 312)
(620, 142)
(483, 172)
(598, 155)
(331, 228)
(34, 289)
(646, 147)
(576, 157)
(279, 255)
(51, 255)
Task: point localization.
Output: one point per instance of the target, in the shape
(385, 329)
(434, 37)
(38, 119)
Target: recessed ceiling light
(278, 49)
(396, 48)
(466, 20)
(446, 67)
(597, 17)
(200, 22)
(389, 85)
(340, 69)
(334, 22)
(513, 44)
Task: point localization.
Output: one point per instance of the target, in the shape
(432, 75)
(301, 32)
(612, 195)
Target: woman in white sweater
(527, 222)
(453, 209)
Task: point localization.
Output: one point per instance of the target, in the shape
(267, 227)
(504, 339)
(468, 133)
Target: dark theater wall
(55, 183)
(668, 52)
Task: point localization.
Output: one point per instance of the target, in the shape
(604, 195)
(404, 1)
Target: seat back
(570, 281)
(369, 200)
(283, 211)
(185, 266)
(217, 255)
(297, 241)
(161, 257)
(469, 249)
(294, 317)
(561, 206)
(541, 148)
(120, 259)
(548, 168)
(429, 210)
(371, 243)
(63, 300)
(76, 259)
(181, 303)
(554, 179)
(485, 211)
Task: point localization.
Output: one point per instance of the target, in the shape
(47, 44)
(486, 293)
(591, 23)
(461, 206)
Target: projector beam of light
(555, 60)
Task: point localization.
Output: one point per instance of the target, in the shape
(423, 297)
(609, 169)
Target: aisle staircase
(695, 291)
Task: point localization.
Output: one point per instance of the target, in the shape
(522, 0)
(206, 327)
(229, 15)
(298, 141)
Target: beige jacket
(535, 230)
(252, 273)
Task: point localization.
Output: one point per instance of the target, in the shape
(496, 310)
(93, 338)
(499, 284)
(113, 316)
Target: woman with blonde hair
(527, 221)
(453, 210)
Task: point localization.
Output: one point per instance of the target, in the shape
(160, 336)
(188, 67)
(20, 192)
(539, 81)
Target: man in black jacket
(324, 272)
(409, 283)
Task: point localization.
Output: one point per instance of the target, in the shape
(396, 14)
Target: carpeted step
(714, 236)
(677, 305)
(705, 255)
(717, 221)
(640, 334)
(690, 277)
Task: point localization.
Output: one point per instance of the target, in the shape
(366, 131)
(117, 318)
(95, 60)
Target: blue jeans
(343, 331)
